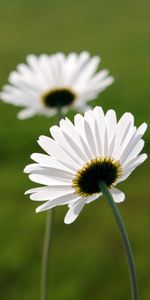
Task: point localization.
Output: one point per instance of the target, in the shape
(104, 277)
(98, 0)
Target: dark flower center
(86, 180)
(58, 98)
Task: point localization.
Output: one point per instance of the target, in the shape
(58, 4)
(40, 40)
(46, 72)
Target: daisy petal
(93, 198)
(135, 150)
(53, 149)
(89, 125)
(141, 130)
(50, 188)
(48, 194)
(67, 144)
(118, 196)
(31, 168)
(79, 125)
(74, 211)
(111, 122)
(50, 162)
(58, 201)
(26, 113)
(135, 162)
(46, 180)
(123, 126)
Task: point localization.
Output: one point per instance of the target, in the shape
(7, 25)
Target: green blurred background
(87, 260)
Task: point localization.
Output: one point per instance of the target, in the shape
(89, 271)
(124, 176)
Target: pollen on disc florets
(58, 97)
(105, 168)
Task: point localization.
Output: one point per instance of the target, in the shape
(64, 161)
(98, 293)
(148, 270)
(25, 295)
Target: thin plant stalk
(47, 243)
(124, 236)
(46, 254)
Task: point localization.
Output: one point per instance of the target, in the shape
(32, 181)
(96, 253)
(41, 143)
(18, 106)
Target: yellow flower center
(85, 182)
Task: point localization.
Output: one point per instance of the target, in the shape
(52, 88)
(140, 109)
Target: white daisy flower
(96, 147)
(49, 82)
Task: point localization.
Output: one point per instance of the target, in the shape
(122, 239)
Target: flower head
(95, 148)
(49, 82)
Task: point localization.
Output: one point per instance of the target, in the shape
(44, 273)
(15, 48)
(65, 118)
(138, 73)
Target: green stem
(47, 242)
(126, 243)
(59, 114)
(45, 255)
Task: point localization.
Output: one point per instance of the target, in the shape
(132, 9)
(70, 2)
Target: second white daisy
(49, 82)
(95, 148)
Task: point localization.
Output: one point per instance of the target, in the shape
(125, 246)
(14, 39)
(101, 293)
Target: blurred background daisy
(87, 252)
(48, 83)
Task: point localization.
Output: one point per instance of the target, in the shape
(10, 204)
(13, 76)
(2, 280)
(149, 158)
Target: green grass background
(87, 260)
